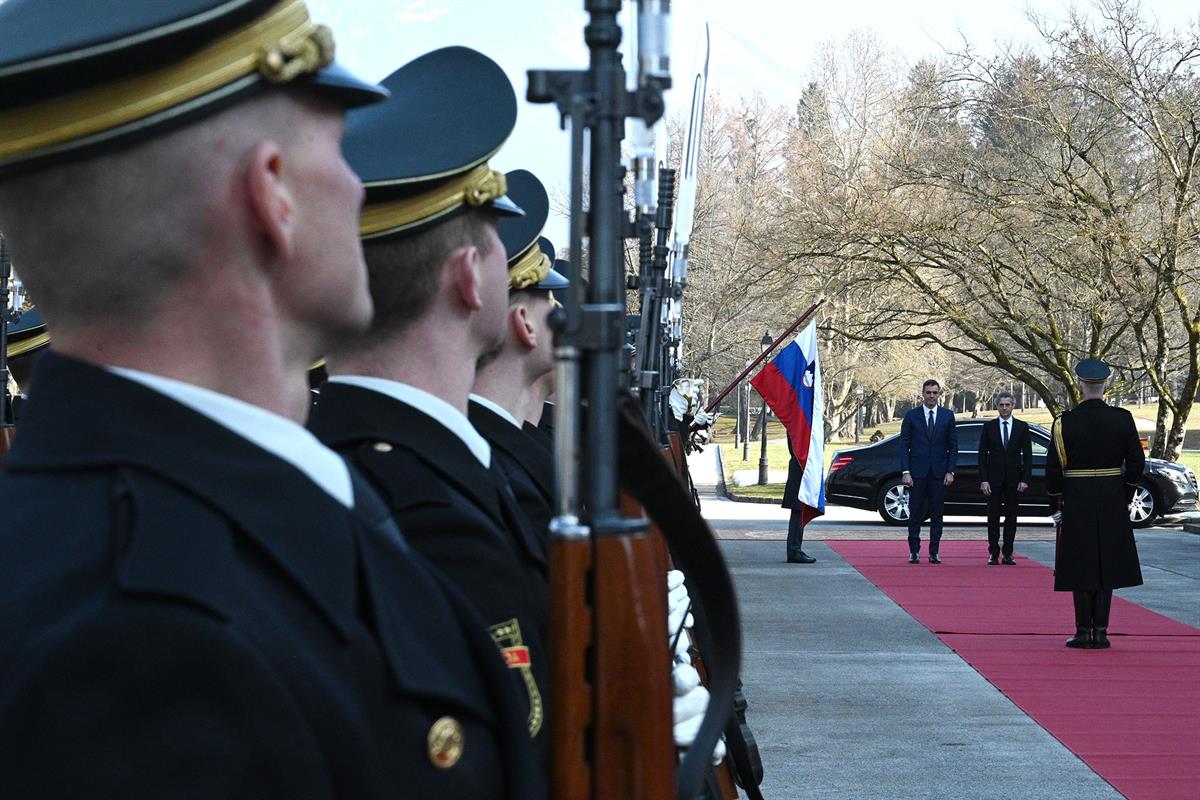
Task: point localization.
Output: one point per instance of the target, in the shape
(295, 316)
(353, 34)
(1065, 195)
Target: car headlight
(1176, 476)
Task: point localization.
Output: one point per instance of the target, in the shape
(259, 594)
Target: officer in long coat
(1092, 471)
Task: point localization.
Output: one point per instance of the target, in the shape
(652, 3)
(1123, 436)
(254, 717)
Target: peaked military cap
(1092, 370)
(28, 334)
(423, 155)
(79, 75)
(529, 266)
(554, 278)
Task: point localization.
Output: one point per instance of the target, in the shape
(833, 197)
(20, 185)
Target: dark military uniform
(528, 465)
(791, 501)
(423, 157)
(526, 457)
(459, 514)
(1096, 550)
(542, 436)
(182, 612)
(185, 614)
(1093, 467)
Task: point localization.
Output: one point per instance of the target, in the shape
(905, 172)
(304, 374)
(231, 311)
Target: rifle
(611, 696)
(681, 231)
(654, 373)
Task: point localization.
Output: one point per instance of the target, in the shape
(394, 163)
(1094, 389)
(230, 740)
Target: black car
(869, 477)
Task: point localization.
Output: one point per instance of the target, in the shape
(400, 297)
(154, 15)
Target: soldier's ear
(270, 205)
(463, 269)
(522, 326)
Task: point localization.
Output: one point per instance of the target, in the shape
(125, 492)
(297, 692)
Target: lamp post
(766, 343)
(746, 424)
(858, 412)
(737, 420)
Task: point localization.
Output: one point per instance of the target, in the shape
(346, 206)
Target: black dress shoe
(933, 559)
(993, 561)
(1100, 638)
(914, 559)
(1082, 639)
(803, 558)
(1009, 560)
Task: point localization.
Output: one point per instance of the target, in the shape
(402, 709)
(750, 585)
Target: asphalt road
(850, 697)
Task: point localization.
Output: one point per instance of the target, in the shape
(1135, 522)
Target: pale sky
(764, 46)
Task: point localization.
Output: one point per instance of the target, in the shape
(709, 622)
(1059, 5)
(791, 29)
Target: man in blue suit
(928, 456)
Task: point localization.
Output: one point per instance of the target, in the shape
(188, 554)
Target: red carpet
(1132, 712)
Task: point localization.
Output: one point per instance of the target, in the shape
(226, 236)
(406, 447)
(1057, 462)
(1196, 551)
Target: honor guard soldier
(197, 598)
(504, 383)
(1092, 471)
(396, 401)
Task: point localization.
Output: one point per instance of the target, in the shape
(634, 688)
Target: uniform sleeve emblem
(507, 636)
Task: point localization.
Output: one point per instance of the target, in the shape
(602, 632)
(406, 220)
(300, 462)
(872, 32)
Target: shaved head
(106, 237)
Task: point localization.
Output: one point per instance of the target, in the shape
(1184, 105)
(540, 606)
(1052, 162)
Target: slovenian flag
(791, 386)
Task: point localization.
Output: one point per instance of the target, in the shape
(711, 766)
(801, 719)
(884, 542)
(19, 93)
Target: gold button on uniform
(382, 447)
(445, 742)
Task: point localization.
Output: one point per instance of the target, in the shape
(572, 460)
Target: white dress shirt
(1004, 439)
(449, 416)
(277, 435)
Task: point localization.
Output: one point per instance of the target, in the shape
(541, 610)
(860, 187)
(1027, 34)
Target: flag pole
(782, 338)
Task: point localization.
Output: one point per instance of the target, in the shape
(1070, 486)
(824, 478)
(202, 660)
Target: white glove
(679, 404)
(683, 653)
(688, 707)
(678, 604)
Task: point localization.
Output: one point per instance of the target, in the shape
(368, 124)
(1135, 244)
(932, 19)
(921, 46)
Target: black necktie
(1004, 435)
(931, 419)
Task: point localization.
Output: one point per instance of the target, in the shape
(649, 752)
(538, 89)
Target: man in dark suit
(396, 402)
(197, 598)
(928, 456)
(1093, 468)
(1005, 469)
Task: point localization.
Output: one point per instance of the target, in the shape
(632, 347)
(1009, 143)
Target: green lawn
(1190, 459)
(772, 491)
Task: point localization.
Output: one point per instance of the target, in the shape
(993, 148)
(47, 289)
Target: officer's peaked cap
(554, 279)
(1092, 370)
(530, 265)
(423, 155)
(27, 334)
(79, 76)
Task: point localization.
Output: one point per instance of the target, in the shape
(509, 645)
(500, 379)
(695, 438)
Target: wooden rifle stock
(570, 678)
(5, 442)
(610, 687)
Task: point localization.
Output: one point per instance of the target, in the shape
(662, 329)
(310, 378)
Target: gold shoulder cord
(1059, 445)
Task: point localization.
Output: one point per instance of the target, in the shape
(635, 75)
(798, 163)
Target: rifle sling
(649, 478)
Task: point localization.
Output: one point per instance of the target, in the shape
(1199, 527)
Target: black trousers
(1003, 499)
(795, 542)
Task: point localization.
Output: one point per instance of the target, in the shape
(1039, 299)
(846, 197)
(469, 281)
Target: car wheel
(1145, 507)
(892, 504)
